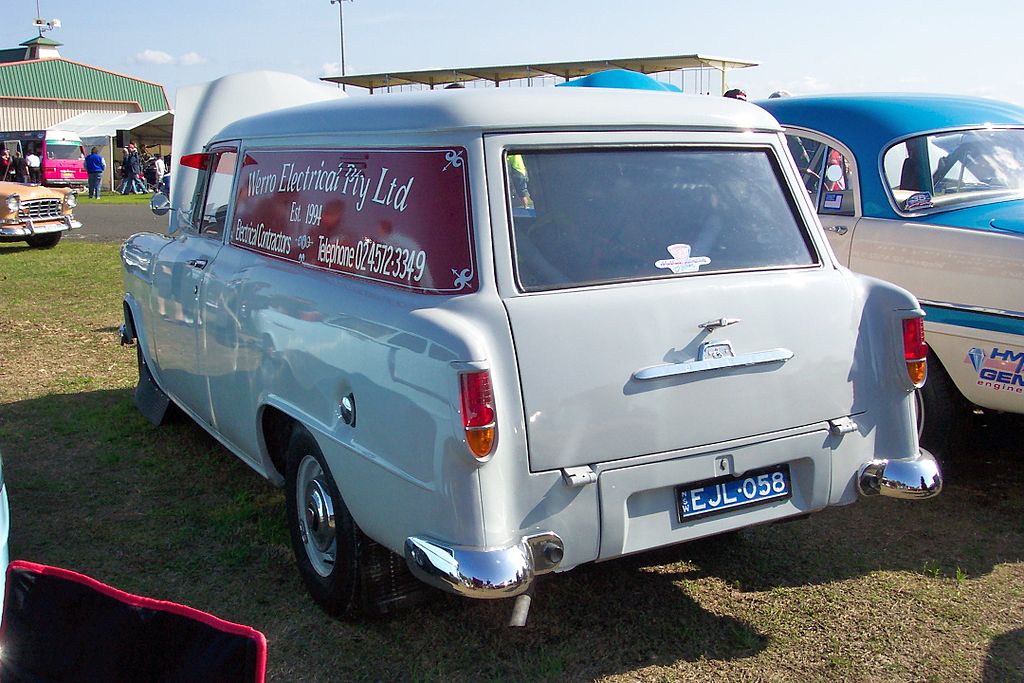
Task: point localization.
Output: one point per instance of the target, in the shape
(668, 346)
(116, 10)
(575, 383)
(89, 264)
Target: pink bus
(61, 155)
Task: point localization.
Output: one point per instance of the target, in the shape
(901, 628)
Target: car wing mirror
(161, 206)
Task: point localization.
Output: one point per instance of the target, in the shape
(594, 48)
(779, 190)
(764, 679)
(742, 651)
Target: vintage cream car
(36, 214)
(505, 333)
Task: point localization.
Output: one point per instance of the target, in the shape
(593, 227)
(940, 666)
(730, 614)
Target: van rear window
(400, 217)
(65, 150)
(582, 217)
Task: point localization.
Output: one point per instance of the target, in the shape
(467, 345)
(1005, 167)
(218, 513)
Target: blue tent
(620, 78)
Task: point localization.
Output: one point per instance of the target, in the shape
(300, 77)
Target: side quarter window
(826, 173)
(809, 156)
(837, 185)
(213, 194)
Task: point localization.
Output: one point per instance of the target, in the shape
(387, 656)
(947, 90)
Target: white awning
(97, 127)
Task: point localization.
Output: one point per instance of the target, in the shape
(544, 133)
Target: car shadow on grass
(1005, 659)
(7, 248)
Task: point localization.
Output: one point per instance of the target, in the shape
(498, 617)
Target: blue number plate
(728, 493)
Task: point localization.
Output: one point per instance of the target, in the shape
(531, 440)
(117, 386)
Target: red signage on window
(396, 216)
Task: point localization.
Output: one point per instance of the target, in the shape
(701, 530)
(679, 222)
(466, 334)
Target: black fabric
(57, 630)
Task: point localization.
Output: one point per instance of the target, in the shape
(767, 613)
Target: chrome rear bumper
(913, 478)
(483, 573)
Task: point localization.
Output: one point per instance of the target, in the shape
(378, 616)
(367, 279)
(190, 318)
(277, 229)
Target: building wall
(36, 114)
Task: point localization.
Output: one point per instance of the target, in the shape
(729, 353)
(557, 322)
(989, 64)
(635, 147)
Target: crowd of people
(140, 172)
(18, 168)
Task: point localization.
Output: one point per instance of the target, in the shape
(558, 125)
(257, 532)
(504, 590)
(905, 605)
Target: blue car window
(837, 189)
(809, 156)
(952, 169)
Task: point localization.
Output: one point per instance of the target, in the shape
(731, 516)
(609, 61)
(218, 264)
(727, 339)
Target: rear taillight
(915, 350)
(478, 412)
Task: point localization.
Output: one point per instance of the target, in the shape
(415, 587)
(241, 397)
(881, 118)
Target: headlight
(13, 203)
(71, 200)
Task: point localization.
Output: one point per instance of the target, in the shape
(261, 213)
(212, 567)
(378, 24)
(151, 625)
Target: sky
(803, 47)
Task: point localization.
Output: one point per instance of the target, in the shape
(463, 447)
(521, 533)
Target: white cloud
(191, 59)
(810, 84)
(330, 69)
(162, 58)
(154, 57)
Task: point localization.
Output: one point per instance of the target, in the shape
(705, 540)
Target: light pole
(341, 31)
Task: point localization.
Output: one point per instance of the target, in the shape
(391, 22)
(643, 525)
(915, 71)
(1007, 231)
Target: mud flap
(151, 401)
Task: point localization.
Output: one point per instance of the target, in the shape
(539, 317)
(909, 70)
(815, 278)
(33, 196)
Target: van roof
(509, 109)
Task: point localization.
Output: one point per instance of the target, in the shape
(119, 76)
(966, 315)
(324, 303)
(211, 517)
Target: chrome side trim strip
(708, 364)
(973, 309)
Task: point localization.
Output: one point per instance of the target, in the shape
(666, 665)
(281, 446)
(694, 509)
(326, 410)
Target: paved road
(113, 222)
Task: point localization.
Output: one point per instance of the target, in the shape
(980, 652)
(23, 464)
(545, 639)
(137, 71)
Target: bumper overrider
(914, 478)
(28, 228)
(483, 573)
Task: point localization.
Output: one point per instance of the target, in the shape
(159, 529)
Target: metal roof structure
(565, 70)
(62, 79)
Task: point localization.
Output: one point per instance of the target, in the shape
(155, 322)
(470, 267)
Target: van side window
(213, 194)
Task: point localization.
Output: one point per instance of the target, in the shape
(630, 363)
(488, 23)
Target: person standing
(5, 165)
(138, 184)
(20, 167)
(94, 166)
(158, 166)
(32, 160)
(130, 170)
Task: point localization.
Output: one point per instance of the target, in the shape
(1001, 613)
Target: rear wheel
(347, 572)
(325, 539)
(943, 415)
(44, 241)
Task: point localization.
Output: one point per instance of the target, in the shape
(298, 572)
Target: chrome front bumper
(914, 478)
(29, 228)
(483, 573)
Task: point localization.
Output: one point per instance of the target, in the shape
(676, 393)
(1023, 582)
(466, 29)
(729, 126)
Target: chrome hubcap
(316, 523)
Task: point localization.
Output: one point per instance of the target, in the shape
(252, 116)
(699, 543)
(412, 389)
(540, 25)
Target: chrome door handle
(197, 263)
(837, 229)
(743, 360)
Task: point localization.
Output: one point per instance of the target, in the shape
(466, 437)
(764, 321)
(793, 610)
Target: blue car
(928, 192)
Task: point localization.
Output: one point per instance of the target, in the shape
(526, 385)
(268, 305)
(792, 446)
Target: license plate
(728, 493)
(67, 174)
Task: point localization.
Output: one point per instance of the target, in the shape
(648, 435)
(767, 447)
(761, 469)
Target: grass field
(880, 591)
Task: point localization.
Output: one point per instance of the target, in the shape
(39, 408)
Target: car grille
(37, 209)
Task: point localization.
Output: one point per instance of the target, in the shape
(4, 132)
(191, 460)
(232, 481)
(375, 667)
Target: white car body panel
(245, 333)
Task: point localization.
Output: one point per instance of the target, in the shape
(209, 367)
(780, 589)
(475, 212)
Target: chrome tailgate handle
(707, 364)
